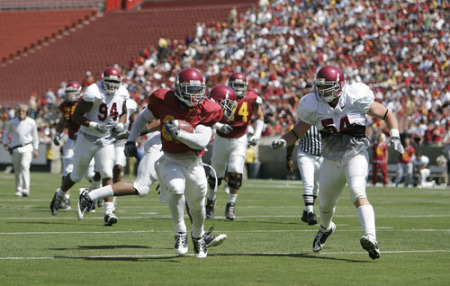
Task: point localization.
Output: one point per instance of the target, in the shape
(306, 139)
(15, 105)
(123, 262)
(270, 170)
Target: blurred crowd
(399, 48)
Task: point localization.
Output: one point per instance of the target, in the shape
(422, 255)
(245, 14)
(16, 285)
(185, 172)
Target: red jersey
(379, 153)
(407, 156)
(67, 108)
(242, 115)
(165, 106)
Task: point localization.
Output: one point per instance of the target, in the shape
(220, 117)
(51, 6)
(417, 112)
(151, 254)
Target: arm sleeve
(258, 128)
(139, 124)
(197, 140)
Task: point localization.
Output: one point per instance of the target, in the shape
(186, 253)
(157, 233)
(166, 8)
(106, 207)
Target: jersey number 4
(243, 111)
(103, 112)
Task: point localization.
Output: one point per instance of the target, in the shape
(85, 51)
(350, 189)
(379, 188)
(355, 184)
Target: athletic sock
(102, 193)
(232, 198)
(366, 216)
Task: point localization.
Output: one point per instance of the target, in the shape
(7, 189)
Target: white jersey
(422, 162)
(106, 109)
(343, 127)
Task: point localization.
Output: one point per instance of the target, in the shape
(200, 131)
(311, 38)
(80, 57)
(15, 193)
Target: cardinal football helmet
(238, 82)
(226, 97)
(329, 83)
(190, 87)
(111, 79)
(72, 91)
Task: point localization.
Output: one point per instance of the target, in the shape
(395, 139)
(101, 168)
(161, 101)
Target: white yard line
(221, 230)
(219, 254)
(151, 214)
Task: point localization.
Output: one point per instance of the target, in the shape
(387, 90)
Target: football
(184, 125)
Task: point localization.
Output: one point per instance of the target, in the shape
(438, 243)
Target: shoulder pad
(92, 93)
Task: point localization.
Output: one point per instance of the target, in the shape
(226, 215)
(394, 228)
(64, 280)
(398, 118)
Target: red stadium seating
(113, 38)
(23, 28)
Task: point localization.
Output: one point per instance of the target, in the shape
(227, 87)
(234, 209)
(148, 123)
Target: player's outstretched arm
(379, 111)
(139, 124)
(289, 138)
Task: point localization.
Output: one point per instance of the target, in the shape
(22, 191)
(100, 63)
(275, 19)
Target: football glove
(130, 149)
(100, 127)
(122, 135)
(253, 141)
(57, 139)
(225, 129)
(119, 128)
(278, 144)
(171, 129)
(396, 144)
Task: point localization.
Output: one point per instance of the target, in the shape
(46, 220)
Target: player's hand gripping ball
(174, 127)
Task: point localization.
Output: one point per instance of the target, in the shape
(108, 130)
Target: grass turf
(267, 244)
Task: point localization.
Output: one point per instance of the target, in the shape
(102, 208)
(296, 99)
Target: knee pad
(234, 180)
(212, 181)
(75, 178)
(106, 174)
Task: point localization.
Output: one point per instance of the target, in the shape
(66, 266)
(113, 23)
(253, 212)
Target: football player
(230, 144)
(146, 174)
(180, 169)
(339, 111)
(101, 112)
(72, 93)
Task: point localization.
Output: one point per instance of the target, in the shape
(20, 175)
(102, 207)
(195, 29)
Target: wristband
(394, 133)
(92, 125)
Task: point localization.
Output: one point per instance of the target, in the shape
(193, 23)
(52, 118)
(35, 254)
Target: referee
(309, 160)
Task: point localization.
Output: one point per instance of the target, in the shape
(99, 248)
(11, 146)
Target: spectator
(441, 162)
(380, 157)
(405, 166)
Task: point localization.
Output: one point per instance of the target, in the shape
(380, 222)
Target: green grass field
(267, 244)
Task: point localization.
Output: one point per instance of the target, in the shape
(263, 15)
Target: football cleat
(370, 244)
(65, 204)
(309, 218)
(100, 202)
(214, 240)
(110, 218)
(322, 236)
(85, 203)
(229, 211)
(181, 246)
(200, 249)
(56, 202)
(210, 208)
